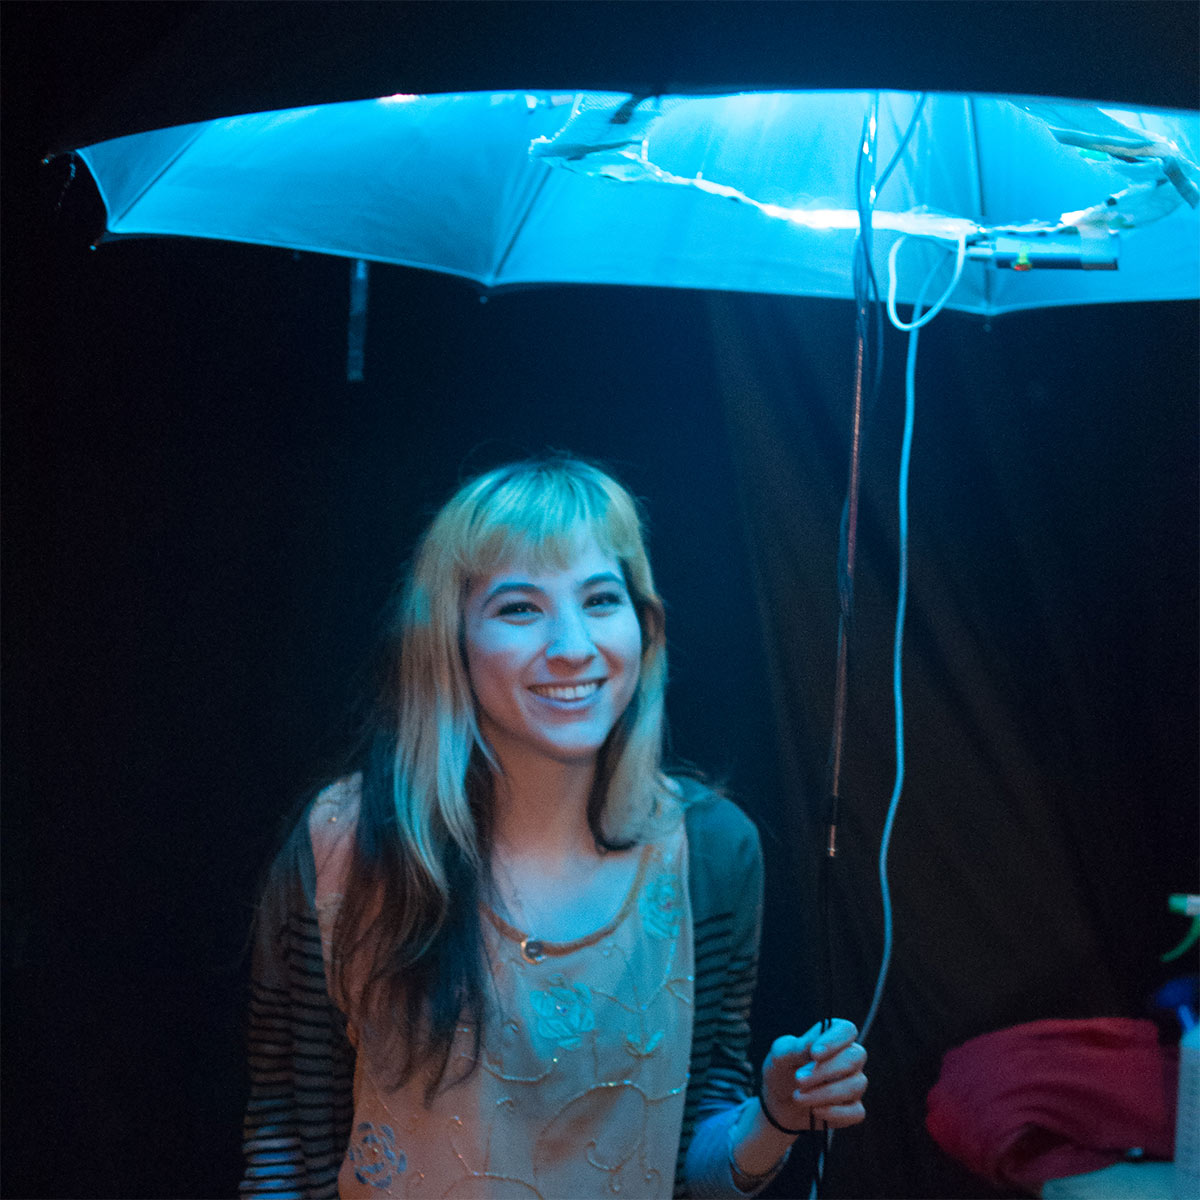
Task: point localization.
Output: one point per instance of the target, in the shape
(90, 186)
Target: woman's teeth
(574, 691)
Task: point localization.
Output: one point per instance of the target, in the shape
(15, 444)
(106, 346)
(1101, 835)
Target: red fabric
(1054, 1098)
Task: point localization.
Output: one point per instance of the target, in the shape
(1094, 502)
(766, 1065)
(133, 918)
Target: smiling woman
(506, 955)
(553, 655)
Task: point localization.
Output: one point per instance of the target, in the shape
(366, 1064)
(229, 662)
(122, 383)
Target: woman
(509, 956)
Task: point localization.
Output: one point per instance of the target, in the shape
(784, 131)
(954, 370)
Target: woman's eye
(604, 600)
(516, 608)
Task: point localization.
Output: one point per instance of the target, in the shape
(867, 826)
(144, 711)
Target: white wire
(910, 405)
(897, 656)
(910, 370)
(960, 260)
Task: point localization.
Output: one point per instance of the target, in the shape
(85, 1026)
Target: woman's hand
(820, 1073)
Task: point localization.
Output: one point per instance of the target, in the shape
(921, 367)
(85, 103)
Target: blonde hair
(535, 509)
(408, 929)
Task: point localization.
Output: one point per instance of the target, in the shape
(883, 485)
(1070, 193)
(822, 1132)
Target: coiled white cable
(960, 261)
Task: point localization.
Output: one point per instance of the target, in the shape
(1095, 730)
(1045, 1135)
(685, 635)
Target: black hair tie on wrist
(766, 1112)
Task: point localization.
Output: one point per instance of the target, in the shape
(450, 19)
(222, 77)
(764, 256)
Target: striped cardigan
(301, 1104)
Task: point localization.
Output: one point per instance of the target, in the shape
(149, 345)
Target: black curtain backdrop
(1049, 670)
(204, 522)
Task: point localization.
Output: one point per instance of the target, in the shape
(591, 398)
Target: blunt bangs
(537, 513)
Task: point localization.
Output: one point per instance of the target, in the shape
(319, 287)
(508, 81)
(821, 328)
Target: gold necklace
(533, 950)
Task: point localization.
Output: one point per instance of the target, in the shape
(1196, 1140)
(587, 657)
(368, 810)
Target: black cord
(867, 292)
(766, 1112)
(869, 332)
(903, 143)
(867, 297)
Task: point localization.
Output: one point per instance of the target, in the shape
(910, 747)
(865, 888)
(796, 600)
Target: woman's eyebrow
(525, 585)
(602, 577)
(510, 585)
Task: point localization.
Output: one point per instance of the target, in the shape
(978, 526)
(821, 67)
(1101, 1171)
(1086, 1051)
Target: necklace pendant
(532, 950)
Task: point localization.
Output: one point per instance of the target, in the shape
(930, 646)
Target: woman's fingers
(817, 1076)
(827, 1040)
(814, 1073)
(840, 1116)
(823, 1041)
(845, 1088)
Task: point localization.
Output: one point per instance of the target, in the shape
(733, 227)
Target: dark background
(203, 523)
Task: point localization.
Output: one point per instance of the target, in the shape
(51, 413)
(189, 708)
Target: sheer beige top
(580, 1088)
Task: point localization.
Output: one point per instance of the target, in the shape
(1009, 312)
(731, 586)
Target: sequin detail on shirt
(580, 1087)
(563, 1013)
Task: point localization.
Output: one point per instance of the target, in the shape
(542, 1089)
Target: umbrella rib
(163, 170)
(520, 225)
(977, 174)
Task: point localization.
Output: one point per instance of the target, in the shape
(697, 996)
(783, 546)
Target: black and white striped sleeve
(298, 1117)
(726, 884)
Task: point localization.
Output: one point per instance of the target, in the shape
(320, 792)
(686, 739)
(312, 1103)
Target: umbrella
(742, 192)
(760, 191)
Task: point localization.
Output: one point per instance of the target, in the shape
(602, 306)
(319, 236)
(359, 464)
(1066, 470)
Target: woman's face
(553, 654)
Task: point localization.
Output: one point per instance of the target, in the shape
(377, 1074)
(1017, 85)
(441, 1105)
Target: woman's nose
(570, 638)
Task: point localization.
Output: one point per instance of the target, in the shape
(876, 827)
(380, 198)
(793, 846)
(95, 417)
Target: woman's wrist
(757, 1147)
(769, 1118)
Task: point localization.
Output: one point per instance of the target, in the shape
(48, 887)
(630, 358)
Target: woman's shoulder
(320, 834)
(333, 814)
(337, 802)
(725, 863)
(711, 816)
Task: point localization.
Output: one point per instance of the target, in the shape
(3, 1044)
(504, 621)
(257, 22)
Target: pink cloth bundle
(1054, 1098)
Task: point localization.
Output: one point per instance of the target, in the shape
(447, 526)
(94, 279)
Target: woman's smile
(565, 691)
(553, 653)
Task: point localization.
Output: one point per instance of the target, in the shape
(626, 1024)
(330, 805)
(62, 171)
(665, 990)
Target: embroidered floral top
(300, 1108)
(581, 1083)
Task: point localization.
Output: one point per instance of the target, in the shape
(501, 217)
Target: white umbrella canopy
(745, 192)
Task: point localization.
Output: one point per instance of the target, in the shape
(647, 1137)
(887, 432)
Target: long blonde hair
(424, 829)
